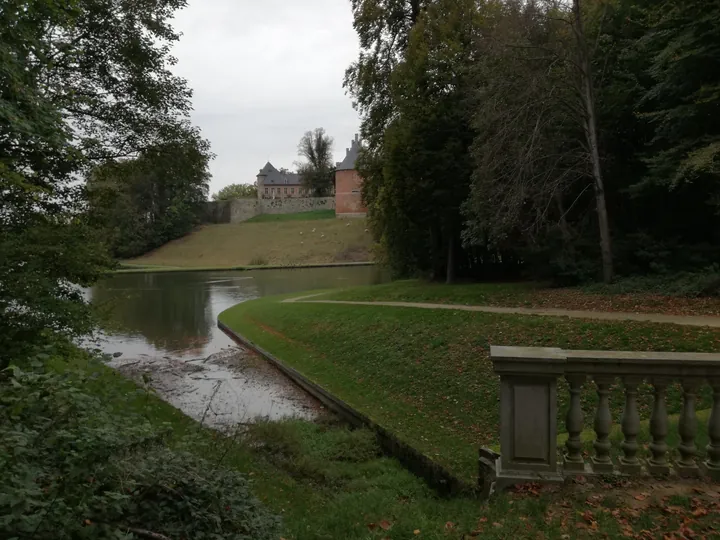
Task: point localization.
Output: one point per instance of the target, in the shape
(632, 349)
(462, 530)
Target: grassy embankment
(268, 240)
(426, 375)
(328, 482)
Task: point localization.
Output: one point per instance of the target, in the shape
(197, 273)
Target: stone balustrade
(528, 412)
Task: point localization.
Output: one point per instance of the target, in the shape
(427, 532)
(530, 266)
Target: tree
(143, 203)
(236, 191)
(682, 100)
(383, 27)
(82, 81)
(317, 173)
(587, 93)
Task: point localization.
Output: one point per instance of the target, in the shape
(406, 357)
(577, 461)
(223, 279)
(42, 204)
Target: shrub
(690, 284)
(71, 468)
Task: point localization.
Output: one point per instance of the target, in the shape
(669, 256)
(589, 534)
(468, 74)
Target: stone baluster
(658, 463)
(712, 464)
(574, 424)
(602, 462)
(686, 465)
(629, 463)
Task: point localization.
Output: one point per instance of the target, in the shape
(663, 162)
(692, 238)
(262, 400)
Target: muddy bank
(231, 387)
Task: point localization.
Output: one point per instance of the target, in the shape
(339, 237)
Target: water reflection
(176, 313)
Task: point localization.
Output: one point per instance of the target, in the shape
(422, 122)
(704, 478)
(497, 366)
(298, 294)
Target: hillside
(285, 242)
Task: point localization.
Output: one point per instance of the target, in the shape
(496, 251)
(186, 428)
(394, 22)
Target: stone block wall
(239, 210)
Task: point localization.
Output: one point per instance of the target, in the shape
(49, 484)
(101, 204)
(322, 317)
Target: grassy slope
(529, 295)
(313, 215)
(329, 483)
(274, 243)
(426, 374)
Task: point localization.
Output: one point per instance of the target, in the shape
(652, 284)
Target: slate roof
(273, 177)
(351, 156)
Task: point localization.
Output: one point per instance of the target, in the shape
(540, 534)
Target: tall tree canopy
(81, 81)
(317, 171)
(568, 132)
(144, 202)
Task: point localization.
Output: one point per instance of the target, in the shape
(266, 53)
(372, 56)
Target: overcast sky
(263, 73)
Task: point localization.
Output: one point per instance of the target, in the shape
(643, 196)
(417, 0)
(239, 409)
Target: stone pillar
(528, 413)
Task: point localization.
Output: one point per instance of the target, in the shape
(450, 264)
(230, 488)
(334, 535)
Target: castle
(282, 184)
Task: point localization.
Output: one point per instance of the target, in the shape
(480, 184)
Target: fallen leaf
(497, 525)
(588, 516)
(673, 509)
(385, 525)
(449, 526)
(640, 497)
(416, 532)
(371, 526)
(700, 512)
(483, 520)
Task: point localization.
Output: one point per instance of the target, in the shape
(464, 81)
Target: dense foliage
(143, 203)
(317, 170)
(81, 82)
(500, 134)
(236, 191)
(72, 468)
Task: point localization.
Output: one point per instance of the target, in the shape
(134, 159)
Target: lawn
(329, 482)
(426, 374)
(531, 295)
(281, 242)
(312, 215)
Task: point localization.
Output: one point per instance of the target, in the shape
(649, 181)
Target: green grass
(313, 215)
(276, 243)
(505, 294)
(426, 375)
(325, 480)
(329, 482)
(532, 295)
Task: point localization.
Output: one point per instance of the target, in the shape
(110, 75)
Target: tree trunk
(451, 263)
(590, 121)
(414, 10)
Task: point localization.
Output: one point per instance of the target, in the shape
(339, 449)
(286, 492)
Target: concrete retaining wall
(239, 210)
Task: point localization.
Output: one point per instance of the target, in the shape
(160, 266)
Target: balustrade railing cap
(527, 360)
(645, 358)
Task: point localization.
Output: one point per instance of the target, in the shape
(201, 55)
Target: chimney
(357, 138)
(347, 151)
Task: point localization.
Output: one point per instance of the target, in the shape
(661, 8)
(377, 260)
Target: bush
(71, 468)
(690, 284)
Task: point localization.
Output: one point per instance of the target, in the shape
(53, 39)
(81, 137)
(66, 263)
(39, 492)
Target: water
(165, 325)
